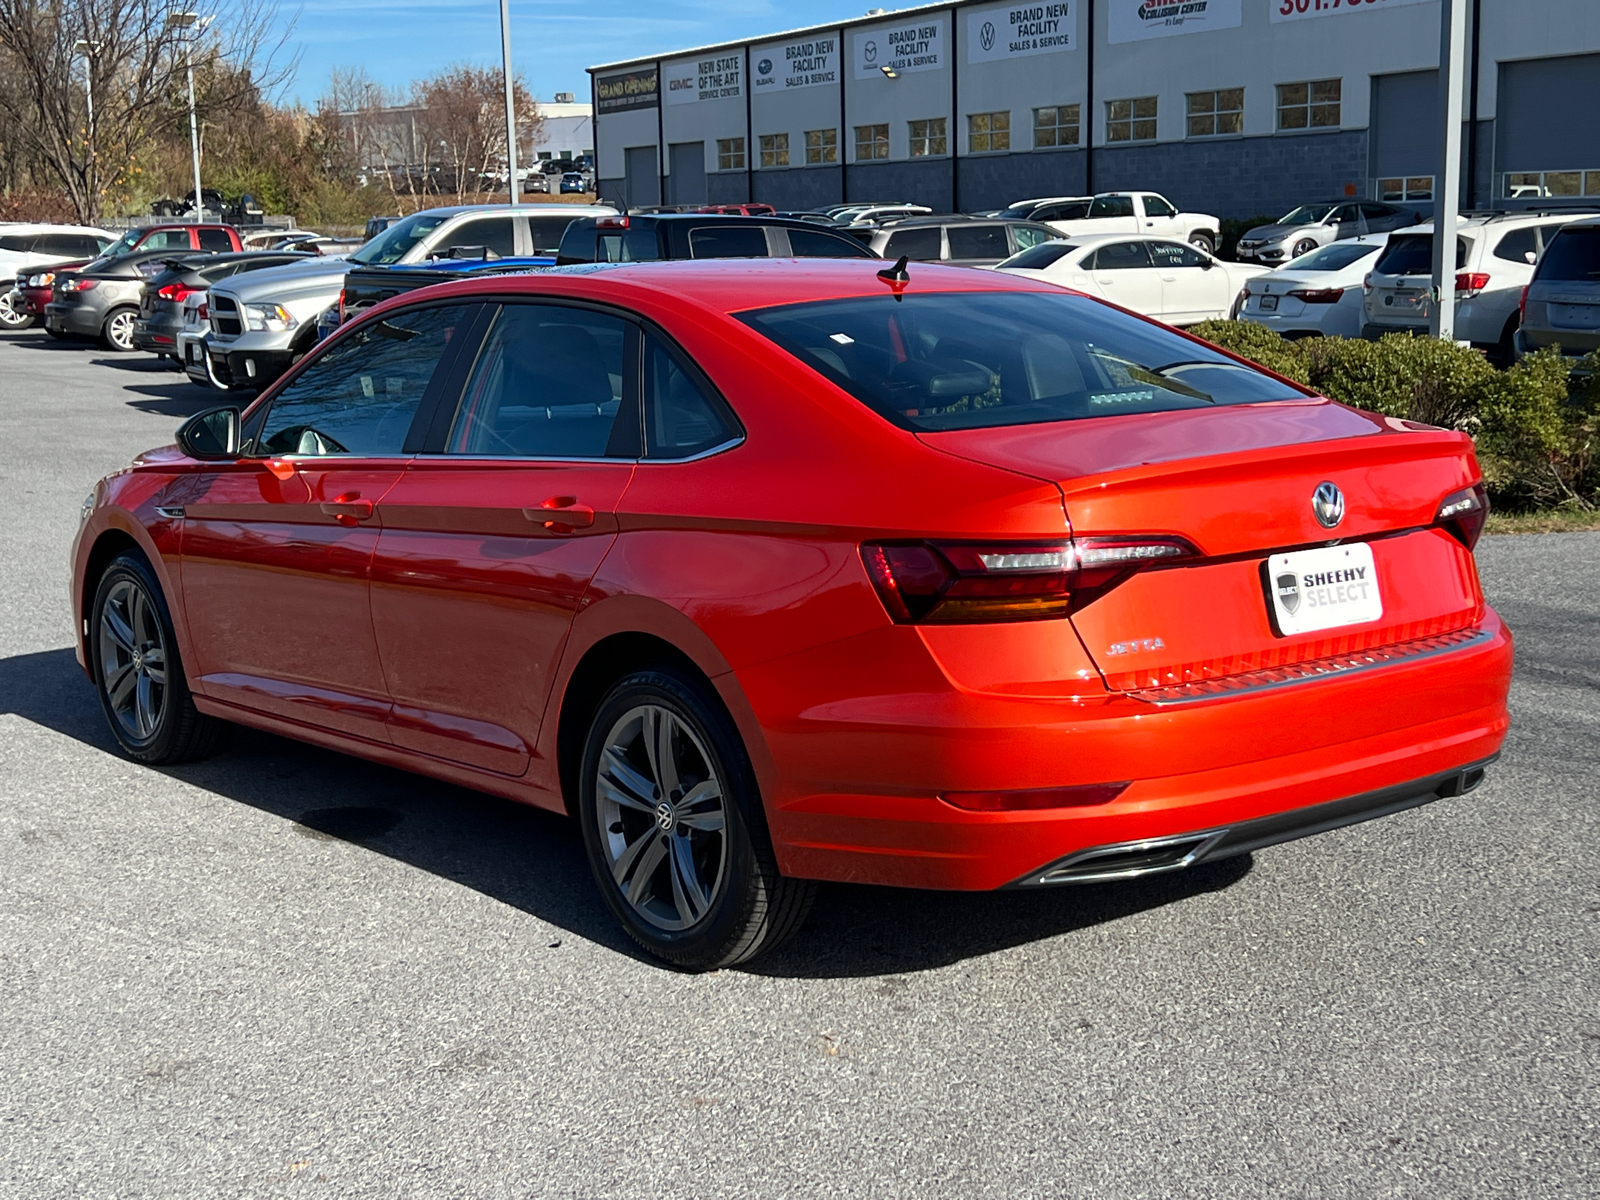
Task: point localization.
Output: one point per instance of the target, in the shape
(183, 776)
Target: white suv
(1495, 256)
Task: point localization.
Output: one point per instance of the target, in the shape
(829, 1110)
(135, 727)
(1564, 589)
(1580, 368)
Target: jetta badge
(1289, 592)
(1328, 503)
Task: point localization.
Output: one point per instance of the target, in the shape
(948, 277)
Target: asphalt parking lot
(287, 972)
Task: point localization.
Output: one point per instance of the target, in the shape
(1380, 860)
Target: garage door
(641, 182)
(687, 182)
(1547, 131)
(1405, 135)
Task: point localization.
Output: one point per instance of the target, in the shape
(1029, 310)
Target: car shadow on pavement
(172, 400)
(534, 861)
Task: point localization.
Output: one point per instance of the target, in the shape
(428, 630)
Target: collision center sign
(994, 35)
(1134, 20)
(796, 65)
(1296, 10)
(917, 46)
(719, 78)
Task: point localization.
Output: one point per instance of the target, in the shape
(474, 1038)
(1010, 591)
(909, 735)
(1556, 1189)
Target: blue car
(573, 181)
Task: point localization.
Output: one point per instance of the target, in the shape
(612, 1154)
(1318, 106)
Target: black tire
(1505, 350)
(116, 333)
(1202, 241)
(751, 907)
(160, 724)
(1303, 246)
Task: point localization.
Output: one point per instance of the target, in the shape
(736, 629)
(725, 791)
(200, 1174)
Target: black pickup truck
(366, 286)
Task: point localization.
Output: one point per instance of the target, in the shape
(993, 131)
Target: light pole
(1447, 187)
(87, 48)
(511, 108)
(195, 24)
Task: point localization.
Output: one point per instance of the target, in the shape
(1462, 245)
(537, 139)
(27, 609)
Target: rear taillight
(1080, 796)
(1318, 295)
(341, 306)
(1471, 282)
(176, 292)
(966, 582)
(79, 285)
(617, 222)
(1464, 514)
(1366, 285)
(1522, 305)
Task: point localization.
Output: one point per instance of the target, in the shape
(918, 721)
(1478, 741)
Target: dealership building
(1233, 107)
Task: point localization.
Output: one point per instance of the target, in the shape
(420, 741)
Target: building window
(822, 146)
(1057, 126)
(988, 131)
(1131, 120)
(1411, 187)
(1313, 105)
(1212, 114)
(774, 149)
(872, 141)
(730, 154)
(1542, 185)
(928, 138)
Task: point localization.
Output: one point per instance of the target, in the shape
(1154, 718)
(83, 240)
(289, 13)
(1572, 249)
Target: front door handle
(561, 514)
(348, 508)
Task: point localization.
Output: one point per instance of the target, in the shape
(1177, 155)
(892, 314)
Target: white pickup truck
(1144, 213)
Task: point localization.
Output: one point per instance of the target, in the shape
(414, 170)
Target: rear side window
(546, 233)
(1075, 211)
(1037, 258)
(1412, 254)
(627, 245)
(360, 396)
(1033, 235)
(215, 239)
(813, 243)
(495, 234)
(166, 239)
(1121, 256)
(18, 243)
(1111, 206)
(978, 241)
(1573, 257)
(976, 360)
(919, 245)
(733, 241)
(682, 417)
(548, 383)
(1519, 246)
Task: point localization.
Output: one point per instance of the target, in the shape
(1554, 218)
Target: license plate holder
(1326, 588)
(1269, 304)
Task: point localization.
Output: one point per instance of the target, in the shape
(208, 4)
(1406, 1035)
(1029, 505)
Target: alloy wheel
(133, 660)
(10, 318)
(662, 817)
(119, 330)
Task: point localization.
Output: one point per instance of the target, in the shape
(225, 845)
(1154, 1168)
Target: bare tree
(463, 126)
(131, 56)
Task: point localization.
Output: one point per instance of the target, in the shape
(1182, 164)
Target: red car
(34, 288)
(774, 571)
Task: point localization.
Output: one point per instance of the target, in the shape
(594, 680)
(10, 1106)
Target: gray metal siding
(1405, 124)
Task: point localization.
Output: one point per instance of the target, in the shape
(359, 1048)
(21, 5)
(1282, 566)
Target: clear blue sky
(552, 41)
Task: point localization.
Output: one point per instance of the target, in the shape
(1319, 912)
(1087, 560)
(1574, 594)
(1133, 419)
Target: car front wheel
(1201, 241)
(1304, 246)
(117, 332)
(674, 830)
(137, 670)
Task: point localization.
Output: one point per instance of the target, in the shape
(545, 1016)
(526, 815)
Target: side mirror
(212, 434)
(1531, 257)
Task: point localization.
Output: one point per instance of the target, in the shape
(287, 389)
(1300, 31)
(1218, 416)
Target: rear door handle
(561, 514)
(348, 508)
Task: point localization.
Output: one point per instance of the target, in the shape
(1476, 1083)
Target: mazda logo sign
(1328, 503)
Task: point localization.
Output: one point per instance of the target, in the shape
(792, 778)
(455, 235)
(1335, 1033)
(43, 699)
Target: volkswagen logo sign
(1328, 503)
(986, 35)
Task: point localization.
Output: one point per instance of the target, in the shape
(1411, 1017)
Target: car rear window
(1412, 254)
(814, 243)
(1333, 258)
(954, 360)
(1037, 258)
(547, 233)
(919, 245)
(1573, 256)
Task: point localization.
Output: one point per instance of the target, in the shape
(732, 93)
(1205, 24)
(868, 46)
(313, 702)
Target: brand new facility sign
(914, 46)
(1132, 20)
(810, 63)
(996, 34)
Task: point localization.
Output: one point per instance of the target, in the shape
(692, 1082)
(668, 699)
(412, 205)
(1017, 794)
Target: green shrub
(1233, 230)
(1537, 425)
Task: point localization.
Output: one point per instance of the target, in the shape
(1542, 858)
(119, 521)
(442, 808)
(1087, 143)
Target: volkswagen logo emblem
(664, 817)
(1328, 503)
(986, 35)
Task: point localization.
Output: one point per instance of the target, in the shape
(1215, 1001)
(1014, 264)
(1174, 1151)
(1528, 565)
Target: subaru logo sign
(764, 66)
(1328, 503)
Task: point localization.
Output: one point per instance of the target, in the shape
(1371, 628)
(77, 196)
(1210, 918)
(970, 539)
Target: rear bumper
(73, 318)
(856, 774)
(159, 334)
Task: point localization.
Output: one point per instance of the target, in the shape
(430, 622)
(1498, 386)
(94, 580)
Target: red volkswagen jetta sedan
(772, 571)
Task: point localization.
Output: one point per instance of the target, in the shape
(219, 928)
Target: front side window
(928, 137)
(774, 149)
(1311, 105)
(988, 131)
(546, 233)
(390, 246)
(944, 361)
(1055, 126)
(814, 243)
(168, 239)
(1409, 187)
(1131, 120)
(494, 234)
(1155, 206)
(872, 141)
(1213, 114)
(548, 383)
(682, 417)
(360, 395)
(1111, 206)
(730, 154)
(822, 146)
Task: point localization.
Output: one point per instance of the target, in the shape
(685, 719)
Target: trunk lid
(1238, 484)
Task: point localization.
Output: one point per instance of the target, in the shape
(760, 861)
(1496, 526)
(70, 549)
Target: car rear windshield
(1333, 258)
(1412, 254)
(1573, 257)
(952, 360)
(1037, 258)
